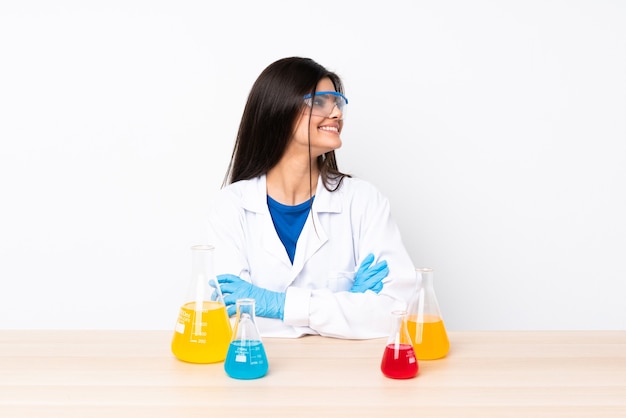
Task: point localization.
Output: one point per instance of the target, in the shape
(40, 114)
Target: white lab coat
(342, 228)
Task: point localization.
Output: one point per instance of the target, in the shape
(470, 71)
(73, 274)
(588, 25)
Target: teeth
(329, 128)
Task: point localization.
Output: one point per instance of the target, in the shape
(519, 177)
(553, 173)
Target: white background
(496, 128)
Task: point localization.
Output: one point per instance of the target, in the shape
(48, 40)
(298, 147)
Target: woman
(295, 233)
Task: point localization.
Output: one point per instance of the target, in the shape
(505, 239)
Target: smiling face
(324, 131)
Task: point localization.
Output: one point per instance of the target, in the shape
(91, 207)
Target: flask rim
(245, 301)
(203, 247)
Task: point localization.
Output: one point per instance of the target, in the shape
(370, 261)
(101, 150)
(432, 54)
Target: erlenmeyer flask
(203, 330)
(399, 360)
(425, 323)
(246, 357)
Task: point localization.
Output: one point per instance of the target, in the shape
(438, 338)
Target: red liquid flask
(399, 360)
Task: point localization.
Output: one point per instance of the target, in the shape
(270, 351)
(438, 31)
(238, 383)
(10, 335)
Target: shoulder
(233, 190)
(355, 195)
(244, 194)
(357, 184)
(359, 189)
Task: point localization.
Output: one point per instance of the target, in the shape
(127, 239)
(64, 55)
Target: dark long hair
(274, 103)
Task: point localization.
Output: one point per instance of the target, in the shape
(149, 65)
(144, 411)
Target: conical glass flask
(203, 330)
(246, 357)
(425, 323)
(399, 361)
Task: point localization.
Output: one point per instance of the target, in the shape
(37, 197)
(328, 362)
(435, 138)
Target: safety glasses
(323, 103)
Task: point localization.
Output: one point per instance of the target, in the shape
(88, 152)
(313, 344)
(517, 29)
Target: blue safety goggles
(323, 103)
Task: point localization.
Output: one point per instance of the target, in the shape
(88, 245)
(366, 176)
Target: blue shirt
(289, 221)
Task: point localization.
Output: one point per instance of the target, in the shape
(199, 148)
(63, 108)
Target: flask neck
(397, 319)
(203, 286)
(399, 333)
(425, 278)
(245, 327)
(245, 308)
(202, 260)
(424, 306)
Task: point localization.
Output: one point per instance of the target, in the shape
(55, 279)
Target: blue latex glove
(267, 303)
(370, 277)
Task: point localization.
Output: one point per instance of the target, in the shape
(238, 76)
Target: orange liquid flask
(424, 321)
(203, 332)
(399, 360)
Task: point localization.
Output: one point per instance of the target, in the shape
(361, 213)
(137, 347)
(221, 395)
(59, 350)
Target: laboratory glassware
(399, 361)
(425, 322)
(203, 329)
(246, 358)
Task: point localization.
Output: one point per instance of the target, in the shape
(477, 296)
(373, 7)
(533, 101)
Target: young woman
(295, 233)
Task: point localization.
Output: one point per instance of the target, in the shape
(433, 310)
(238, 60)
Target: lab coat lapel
(313, 235)
(255, 200)
(270, 240)
(311, 239)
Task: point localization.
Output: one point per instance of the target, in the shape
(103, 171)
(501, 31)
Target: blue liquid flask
(246, 358)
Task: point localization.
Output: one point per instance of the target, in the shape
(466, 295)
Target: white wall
(497, 129)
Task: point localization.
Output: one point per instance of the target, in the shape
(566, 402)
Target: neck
(291, 183)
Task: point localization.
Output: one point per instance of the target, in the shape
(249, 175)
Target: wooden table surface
(91, 374)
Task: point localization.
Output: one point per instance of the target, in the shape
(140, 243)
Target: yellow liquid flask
(203, 330)
(246, 357)
(424, 322)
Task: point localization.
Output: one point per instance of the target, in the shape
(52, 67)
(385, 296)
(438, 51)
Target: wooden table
(91, 374)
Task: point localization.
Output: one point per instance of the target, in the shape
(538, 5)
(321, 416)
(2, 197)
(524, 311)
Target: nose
(335, 112)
